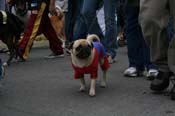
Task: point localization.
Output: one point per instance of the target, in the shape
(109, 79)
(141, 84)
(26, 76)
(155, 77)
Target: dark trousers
(72, 17)
(138, 51)
(39, 23)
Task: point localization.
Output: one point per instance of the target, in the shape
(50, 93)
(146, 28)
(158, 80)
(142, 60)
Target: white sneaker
(151, 74)
(133, 72)
(130, 72)
(54, 56)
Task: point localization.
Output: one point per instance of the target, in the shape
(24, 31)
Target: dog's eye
(79, 48)
(89, 46)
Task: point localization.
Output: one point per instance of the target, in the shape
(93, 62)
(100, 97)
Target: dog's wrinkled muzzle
(84, 52)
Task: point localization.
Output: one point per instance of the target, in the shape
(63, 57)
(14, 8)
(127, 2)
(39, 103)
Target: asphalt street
(46, 87)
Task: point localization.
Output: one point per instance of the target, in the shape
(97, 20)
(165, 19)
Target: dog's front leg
(82, 84)
(103, 80)
(92, 87)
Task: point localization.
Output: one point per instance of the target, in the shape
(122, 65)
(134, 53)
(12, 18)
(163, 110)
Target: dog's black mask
(83, 52)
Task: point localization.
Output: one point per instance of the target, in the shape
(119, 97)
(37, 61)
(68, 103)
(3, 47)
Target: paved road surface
(45, 87)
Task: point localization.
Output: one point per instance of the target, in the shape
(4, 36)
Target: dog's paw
(103, 84)
(92, 93)
(82, 89)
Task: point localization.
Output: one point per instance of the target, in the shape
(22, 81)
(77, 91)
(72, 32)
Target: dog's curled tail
(93, 38)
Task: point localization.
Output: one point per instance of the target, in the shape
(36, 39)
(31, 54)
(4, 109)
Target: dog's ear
(71, 45)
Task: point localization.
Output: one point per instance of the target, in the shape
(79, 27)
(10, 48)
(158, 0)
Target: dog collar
(4, 15)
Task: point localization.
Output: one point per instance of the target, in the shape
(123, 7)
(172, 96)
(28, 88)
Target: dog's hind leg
(82, 84)
(103, 80)
(92, 87)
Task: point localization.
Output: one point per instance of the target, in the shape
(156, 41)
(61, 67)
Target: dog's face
(82, 49)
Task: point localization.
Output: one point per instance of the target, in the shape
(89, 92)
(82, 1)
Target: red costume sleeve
(105, 65)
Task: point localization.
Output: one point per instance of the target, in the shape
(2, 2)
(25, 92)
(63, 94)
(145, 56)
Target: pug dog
(86, 54)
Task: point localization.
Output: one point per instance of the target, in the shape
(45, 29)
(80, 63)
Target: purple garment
(100, 49)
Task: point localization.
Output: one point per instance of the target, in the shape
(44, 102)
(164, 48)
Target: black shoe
(161, 82)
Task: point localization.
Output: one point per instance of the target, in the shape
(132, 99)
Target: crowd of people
(147, 25)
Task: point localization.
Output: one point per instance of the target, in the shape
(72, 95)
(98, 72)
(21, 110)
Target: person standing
(38, 23)
(154, 17)
(138, 51)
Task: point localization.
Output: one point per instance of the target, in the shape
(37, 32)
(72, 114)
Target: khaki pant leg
(153, 18)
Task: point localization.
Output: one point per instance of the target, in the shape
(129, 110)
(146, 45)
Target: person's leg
(23, 44)
(73, 12)
(2, 5)
(89, 15)
(68, 23)
(154, 19)
(109, 40)
(150, 67)
(134, 39)
(154, 16)
(32, 29)
(55, 44)
(80, 28)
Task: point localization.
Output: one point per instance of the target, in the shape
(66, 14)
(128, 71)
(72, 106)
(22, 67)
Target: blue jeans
(120, 15)
(2, 4)
(138, 51)
(92, 27)
(72, 17)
